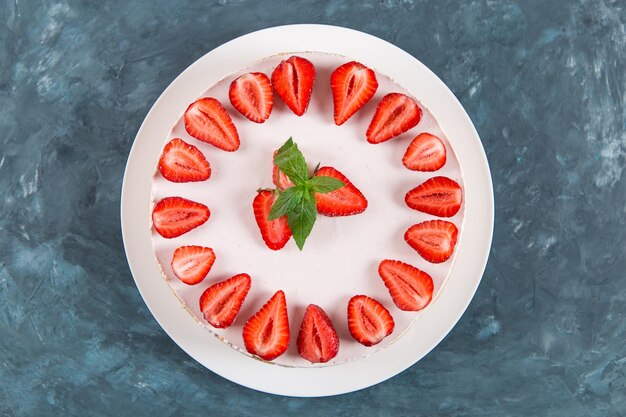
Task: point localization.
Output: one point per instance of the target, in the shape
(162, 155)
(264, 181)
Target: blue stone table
(545, 84)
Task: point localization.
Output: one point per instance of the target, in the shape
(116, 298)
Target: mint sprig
(298, 202)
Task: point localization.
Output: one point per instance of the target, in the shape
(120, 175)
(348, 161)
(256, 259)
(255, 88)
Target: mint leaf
(284, 202)
(291, 162)
(301, 217)
(324, 184)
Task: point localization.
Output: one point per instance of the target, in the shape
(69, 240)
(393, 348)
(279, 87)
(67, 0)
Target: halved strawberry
(208, 121)
(434, 240)
(369, 321)
(425, 153)
(317, 341)
(439, 196)
(345, 201)
(174, 216)
(182, 162)
(353, 85)
(395, 114)
(278, 177)
(251, 94)
(191, 264)
(221, 302)
(275, 233)
(266, 334)
(410, 288)
(293, 81)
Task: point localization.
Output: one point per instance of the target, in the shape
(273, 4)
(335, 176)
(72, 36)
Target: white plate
(428, 328)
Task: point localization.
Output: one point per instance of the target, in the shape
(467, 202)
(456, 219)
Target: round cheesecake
(341, 256)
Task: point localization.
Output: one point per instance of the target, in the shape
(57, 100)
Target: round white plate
(428, 328)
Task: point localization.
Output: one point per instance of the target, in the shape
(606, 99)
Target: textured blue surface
(544, 82)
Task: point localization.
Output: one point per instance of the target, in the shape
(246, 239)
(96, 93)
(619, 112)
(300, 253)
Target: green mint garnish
(298, 202)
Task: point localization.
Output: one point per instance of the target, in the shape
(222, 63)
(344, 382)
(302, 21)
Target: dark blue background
(543, 81)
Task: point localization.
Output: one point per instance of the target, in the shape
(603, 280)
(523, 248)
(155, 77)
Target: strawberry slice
(221, 302)
(251, 94)
(345, 201)
(276, 232)
(208, 121)
(266, 334)
(293, 81)
(353, 85)
(434, 240)
(317, 341)
(395, 114)
(182, 162)
(278, 177)
(191, 264)
(174, 216)
(369, 321)
(439, 196)
(410, 288)
(425, 153)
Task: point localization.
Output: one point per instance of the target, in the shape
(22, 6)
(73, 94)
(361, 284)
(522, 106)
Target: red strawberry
(221, 302)
(192, 263)
(174, 216)
(425, 153)
(395, 114)
(208, 121)
(439, 196)
(266, 334)
(369, 321)
(251, 94)
(182, 162)
(317, 341)
(353, 85)
(410, 288)
(434, 240)
(278, 177)
(345, 201)
(293, 81)
(275, 233)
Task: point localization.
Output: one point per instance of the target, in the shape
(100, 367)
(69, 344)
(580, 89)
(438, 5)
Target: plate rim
(353, 375)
